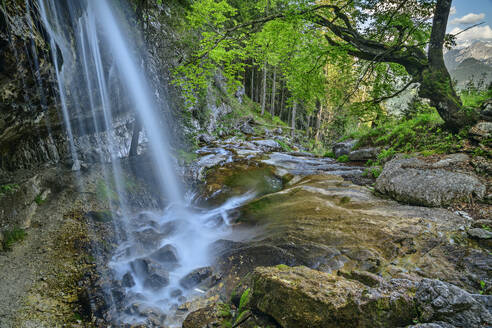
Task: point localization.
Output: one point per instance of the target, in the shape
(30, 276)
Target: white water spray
(99, 80)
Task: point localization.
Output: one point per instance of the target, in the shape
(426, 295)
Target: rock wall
(31, 128)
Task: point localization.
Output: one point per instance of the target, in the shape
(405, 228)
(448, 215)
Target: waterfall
(101, 80)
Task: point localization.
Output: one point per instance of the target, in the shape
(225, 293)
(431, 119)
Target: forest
(246, 163)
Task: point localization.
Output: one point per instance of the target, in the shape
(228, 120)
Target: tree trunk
(274, 86)
(263, 94)
(258, 83)
(293, 119)
(308, 125)
(318, 124)
(252, 95)
(436, 84)
(135, 136)
(282, 100)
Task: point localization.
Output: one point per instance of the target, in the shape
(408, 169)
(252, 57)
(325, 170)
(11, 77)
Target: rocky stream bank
(311, 249)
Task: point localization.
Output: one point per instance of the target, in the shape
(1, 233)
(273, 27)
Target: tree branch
(468, 28)
(397, 93)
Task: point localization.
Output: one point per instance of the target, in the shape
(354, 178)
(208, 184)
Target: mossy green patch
(186, 157)
(285, 147)
(345, 200)
(39, 199)
(343, 159)
(10, 237)
(8, 188)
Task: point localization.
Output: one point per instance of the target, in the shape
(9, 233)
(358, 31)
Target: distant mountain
(470, 62)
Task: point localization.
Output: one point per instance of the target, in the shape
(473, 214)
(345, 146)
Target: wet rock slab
(329, 224)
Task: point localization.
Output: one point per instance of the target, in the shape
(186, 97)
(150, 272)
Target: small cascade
(102, 83)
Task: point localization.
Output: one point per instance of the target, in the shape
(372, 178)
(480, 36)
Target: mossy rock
(301, 297)
(101, 216)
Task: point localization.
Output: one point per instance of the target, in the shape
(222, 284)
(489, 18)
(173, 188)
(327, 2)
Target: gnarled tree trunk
(436, 84)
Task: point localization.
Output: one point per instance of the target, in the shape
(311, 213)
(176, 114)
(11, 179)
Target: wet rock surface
(196, 277)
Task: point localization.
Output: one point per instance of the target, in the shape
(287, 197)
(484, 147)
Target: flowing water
(101, 79)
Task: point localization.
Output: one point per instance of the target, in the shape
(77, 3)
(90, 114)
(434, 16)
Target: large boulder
(413, 181)
(267, 145)
(440, 301)
(155, 275)
(343, 148)
(481, 131)
(209, 316)
(364, 154)
(298, 297)
(195, 277)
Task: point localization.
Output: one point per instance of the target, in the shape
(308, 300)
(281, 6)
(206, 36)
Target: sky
(465, 13)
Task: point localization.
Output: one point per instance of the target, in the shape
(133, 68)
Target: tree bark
(282, 100)
(274, 86)
(318, 124)
(436, 83)
(293, 119)
(258, 83)
(252, 95)
(137, 127)
(308, 125)
(263, 94)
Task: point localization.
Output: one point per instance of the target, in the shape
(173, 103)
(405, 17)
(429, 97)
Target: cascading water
(100, 77)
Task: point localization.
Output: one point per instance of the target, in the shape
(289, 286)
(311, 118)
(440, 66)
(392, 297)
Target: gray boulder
(479, 233)
(166, 254)
(432, 325)
(440, 301)
(247, 129)
(364, 154)
(481, 130)
(415, 182)
(205, 138)
(343, 148)
(195, 277)
(156, 277)
(267, 145)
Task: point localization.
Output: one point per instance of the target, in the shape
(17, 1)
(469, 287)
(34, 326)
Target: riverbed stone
(166, 254)
(195, 277)
(441, 301)
(343, 148)
(156, 276)
(208, 316)
(479, 233)
(364, 154)
(481, 130)
(267, 145)
(412, 181)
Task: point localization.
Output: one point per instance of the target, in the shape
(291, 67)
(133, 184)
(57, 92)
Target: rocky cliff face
(31, 125)
(28, 101)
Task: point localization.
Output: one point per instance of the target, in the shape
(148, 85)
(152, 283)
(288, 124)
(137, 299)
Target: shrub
(343, 159)
(330, 154)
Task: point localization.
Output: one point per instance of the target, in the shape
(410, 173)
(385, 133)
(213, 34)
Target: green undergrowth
(10, 237)
(474, 98)
(343, 159)
(8, 188)
(423, 133)
(242, 111)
